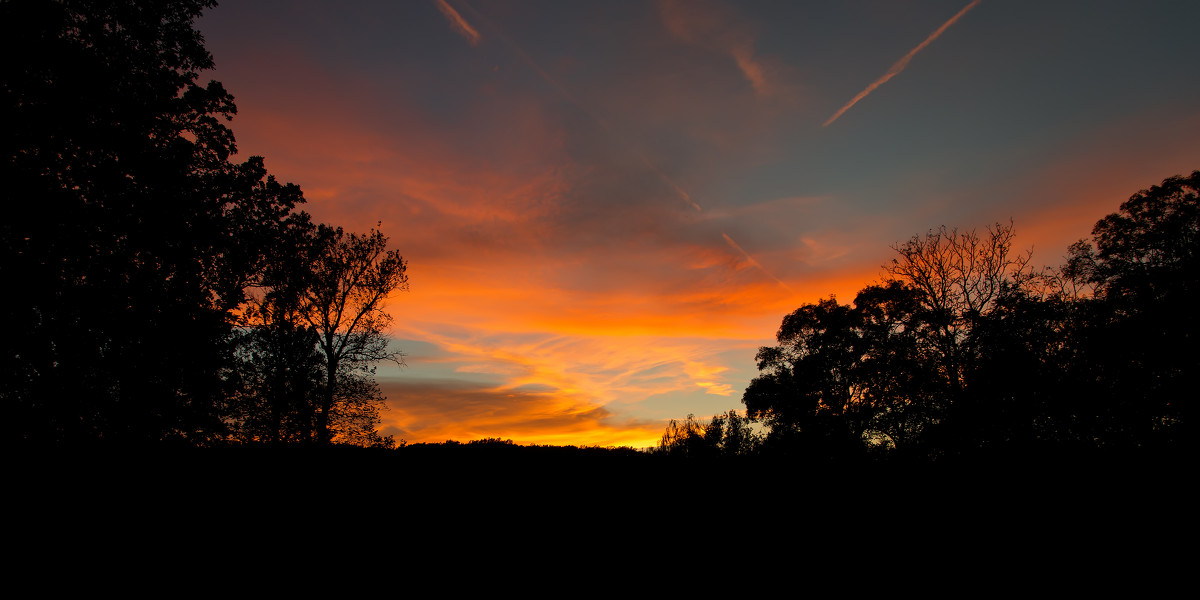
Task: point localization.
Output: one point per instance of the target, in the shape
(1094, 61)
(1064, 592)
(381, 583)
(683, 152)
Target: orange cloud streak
(458, 23)
(900, 64)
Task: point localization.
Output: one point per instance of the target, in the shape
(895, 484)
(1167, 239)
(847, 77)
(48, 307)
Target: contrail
(755, 263)
(663, 176)
(900, 64)
(458, 23)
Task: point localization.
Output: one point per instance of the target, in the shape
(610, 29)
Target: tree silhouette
(131, 233)
(281, 370)
(809, 372)
(1141, 325)
(724, 436)
(967, 349)
(352, 276)
(311, 333)
(1146, 252)
(959, 277)
(961, 348)
(900, 400)
(845, 377)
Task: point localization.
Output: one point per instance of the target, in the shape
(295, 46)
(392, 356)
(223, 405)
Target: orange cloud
(900, 64)
(551, 387)
(458, 23)
(436, 411)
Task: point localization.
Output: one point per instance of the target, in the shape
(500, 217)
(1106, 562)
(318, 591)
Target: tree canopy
(965, 347)
(132, 238)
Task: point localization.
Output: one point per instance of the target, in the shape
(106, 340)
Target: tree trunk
(323, 437)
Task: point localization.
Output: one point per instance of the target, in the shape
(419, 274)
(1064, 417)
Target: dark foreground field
(441, 513)
(530, 480)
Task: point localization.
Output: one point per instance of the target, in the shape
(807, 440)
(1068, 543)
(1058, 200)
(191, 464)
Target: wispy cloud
(900, 64)
(582, 106)
(458, 23)
(717, 26)
(433, 410)
(550, 387)
(752, 69)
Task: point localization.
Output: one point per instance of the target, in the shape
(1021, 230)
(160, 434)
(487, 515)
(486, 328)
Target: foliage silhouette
(131, 232)
(966, 349)
(352, 276)
(136, 239)
(724, 436)
(1143, 267)
(280, 367)
(311, 333)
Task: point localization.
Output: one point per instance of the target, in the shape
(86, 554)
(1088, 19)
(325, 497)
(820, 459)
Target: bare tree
(959, 278)
(353, 276)
(961, 273)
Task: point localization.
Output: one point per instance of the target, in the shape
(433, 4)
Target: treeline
(966, 350)
(156, 290)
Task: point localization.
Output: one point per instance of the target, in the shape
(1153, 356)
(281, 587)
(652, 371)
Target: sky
(607, 207)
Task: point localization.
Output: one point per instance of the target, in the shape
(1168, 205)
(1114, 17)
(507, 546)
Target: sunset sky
(608, 206)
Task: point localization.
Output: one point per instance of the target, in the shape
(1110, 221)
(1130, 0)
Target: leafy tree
(963, 280)
(1143, 265)
(311, 334)
(966, 347)
(900, 400)
(280, 375)
(356, 412)
(138, 240)
(685, 438)
(1030, 383)
(738, 437)
(725, 435)
(280, 365)
(1148, 251)
(845, 376)
(895, 369)
(131, 233)
(809, 375)
(352, 276)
